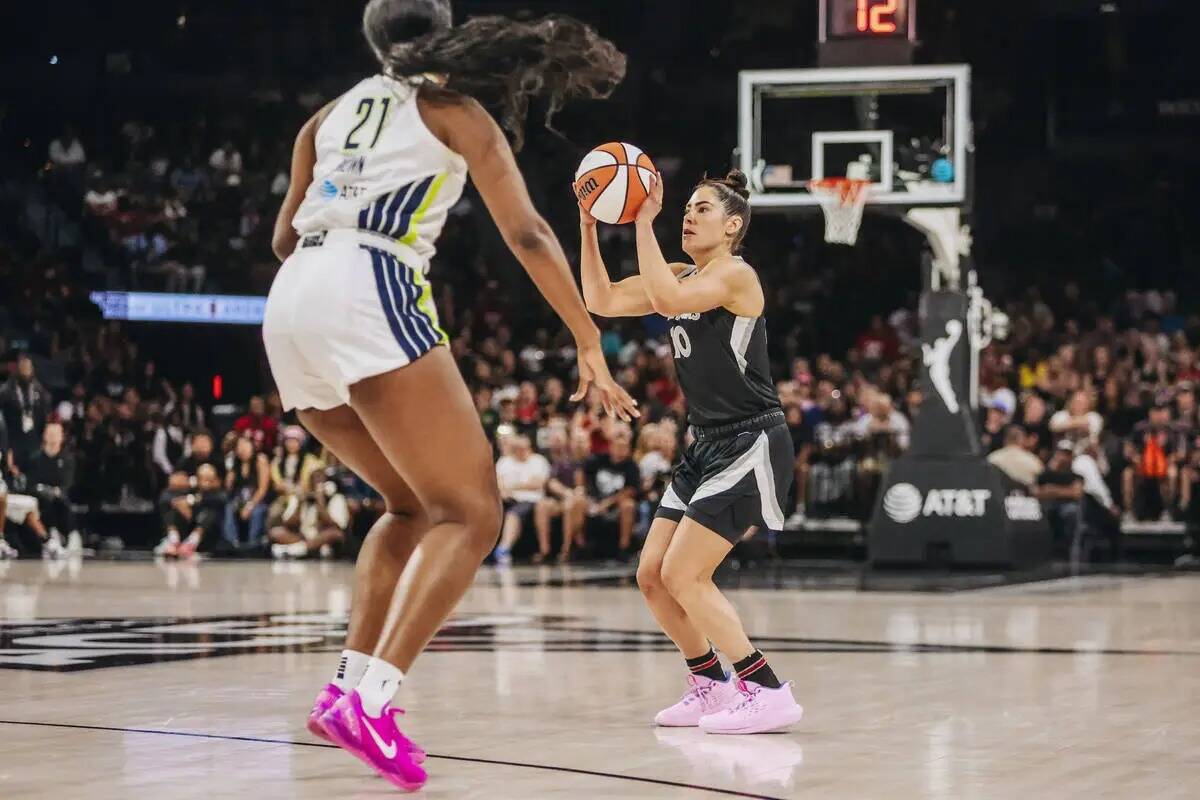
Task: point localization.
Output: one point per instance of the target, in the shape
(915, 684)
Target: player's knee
(480, 513)
(678, 581)
(649, 577)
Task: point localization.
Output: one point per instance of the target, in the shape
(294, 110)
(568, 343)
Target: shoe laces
(750, 693)
(698, 692)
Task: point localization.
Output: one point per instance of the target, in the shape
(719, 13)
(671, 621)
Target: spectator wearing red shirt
(261, 428)
(878, 343)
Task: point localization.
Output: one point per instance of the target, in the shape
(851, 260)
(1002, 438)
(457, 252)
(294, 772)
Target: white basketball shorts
(345, 306)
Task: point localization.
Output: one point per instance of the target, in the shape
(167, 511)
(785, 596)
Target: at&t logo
(903, 503)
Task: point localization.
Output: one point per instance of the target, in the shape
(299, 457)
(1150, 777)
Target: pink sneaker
(375, 740)
(704, 696)
(761, 710)
(325, 700)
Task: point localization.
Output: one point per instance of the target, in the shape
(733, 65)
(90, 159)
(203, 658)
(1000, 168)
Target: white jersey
(380, 169)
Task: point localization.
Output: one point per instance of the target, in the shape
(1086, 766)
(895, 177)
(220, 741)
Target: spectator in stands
(1015, 459)
(522, 478)
(1061, 493)
(1033, 420)
(20, 509)
(247, 481)
(191, 413)
(1099, 514)
(51, 479)
(996, 421)
(564, 497)
(226, 164)
(291, 469)
(198, 513)
(66, 152)
(1148, 483)
(200, 451)
(878, 343)
(883, 422)
(612, 481)
(261, 428)
(1078, 421)
(801, 429)
(169, 442)
(313, 521)
(24, 403)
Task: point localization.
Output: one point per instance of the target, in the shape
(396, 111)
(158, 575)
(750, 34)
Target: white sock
(193, 539)
(378, 686)
(351, 667)
(297, 549)
(173, 536)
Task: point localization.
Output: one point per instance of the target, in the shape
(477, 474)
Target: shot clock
(867, 32)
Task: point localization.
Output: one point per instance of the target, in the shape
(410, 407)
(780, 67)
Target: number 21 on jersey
(366, 107)
(679, 338)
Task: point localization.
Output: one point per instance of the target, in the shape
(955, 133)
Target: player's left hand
(653, 202)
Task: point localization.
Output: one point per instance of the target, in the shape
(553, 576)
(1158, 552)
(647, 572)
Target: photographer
(313, 521)
(50, 478)
(197, 513)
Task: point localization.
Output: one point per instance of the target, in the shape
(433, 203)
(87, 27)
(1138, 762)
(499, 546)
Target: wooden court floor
(128, 680)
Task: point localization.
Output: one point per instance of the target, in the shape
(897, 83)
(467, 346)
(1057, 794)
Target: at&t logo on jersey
(904, 503)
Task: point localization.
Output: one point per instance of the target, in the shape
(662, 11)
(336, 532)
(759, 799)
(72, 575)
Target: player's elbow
(529, 236)
(665, 306)
(283, 243)
(598, 305)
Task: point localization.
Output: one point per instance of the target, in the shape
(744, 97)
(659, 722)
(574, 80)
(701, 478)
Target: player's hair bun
(737, 181)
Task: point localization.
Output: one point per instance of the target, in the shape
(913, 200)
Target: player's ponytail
(734, 193)
(501, 62)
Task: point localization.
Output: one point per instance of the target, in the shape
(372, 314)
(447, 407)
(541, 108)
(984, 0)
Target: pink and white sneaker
(704, 696)
(325, 700)
(761, 710)
(374, 740)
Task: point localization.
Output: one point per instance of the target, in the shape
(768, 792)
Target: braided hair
(734, 194)
(501, 62)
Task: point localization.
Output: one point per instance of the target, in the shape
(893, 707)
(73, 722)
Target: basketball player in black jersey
(737, 473)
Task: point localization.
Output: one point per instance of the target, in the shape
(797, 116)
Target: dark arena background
(975, 227)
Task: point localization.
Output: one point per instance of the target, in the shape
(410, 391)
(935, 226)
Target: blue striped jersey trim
(390, 214)
(398, 295)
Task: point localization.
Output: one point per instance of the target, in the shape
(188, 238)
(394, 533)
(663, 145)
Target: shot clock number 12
(867, 19)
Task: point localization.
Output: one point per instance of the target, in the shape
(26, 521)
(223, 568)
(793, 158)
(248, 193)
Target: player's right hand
(585, 217)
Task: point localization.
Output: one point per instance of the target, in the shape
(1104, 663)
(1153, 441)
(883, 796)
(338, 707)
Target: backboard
(906, 129)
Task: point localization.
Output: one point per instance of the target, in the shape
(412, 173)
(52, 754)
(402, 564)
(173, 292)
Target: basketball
(612, 181)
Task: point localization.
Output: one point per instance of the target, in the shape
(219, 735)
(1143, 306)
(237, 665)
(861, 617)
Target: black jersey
(722, 365)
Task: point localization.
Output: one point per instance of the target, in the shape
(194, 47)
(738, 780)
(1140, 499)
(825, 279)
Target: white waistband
(356, 238)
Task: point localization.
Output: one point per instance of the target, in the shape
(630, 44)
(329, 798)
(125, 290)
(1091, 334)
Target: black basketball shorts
(729, 483)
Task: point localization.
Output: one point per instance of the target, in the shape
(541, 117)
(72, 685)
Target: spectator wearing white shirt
(226, 162)
(1078, 422)
(66, 152)
(1015, 459)
(522, 476)
(883, 419)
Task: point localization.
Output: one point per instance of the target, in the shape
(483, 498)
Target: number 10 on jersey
(681, 342)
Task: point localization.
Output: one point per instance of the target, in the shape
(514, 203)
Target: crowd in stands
(1090, 402)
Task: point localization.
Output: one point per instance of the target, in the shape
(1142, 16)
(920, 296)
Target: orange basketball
(612, 181)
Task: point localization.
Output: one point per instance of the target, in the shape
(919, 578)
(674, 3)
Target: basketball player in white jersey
(352, 334)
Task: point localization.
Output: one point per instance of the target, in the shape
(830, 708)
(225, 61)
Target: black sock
(707, 665)
(754, 668)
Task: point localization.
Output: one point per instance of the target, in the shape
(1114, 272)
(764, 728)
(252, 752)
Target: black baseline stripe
(467, 759)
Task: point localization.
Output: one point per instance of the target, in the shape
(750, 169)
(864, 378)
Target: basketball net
(843, 201)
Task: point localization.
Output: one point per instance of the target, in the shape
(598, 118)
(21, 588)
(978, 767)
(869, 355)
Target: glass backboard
(906, 129)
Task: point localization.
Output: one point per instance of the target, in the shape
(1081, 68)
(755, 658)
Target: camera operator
(199, 513)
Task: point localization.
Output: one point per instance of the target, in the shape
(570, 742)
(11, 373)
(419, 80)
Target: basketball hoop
(842, 200)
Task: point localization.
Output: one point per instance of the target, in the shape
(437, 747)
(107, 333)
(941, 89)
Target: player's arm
(625, 298)
(721, 283)
(467, 129)
(470, 131)
(304, 158)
